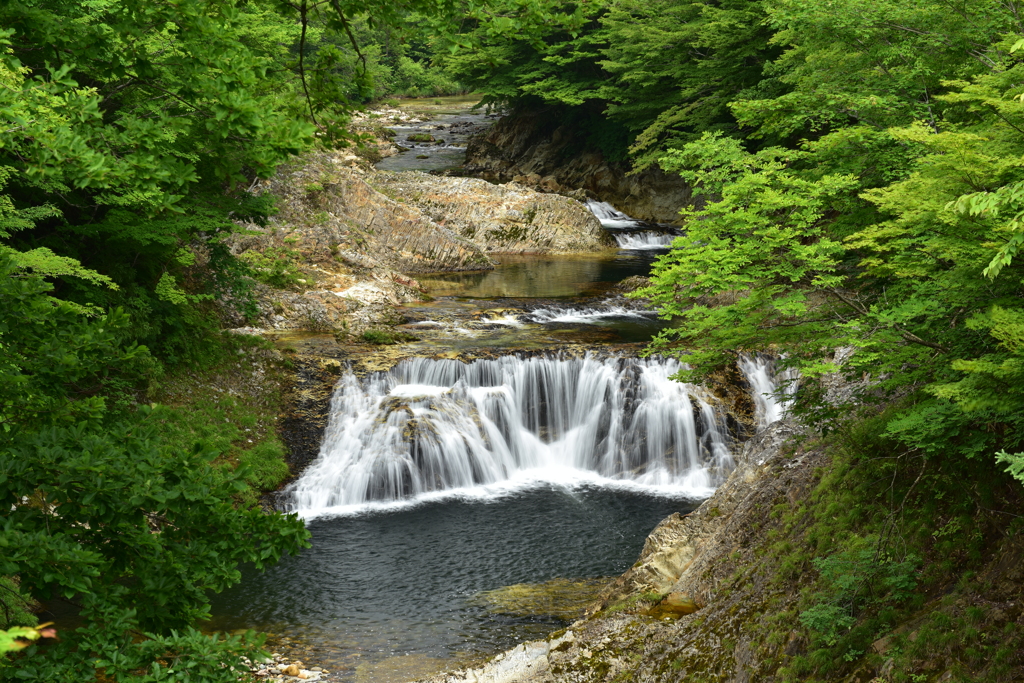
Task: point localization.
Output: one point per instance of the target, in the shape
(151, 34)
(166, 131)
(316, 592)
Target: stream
(441, 481)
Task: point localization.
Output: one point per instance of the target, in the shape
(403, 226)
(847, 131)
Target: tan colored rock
(290, 670)
(331, 214)
(677, 553)
(499, 219)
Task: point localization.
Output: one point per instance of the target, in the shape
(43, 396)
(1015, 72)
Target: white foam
(693, 487)
(586, 315)
(510, 320)
(638, 241)
(416, 390)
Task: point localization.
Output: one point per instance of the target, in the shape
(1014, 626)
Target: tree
(917, 271)
(101, 513)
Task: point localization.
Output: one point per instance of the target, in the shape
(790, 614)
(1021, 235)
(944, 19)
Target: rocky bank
(348, 241)
(533, 149)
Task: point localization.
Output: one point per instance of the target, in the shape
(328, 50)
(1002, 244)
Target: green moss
(387, 337)
(15, 607)
(278, 267)
(634, 603)
(561, 598)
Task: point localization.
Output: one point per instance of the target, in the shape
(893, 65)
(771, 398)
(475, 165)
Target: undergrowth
(231, 404)
(887, 552)
(15, 607)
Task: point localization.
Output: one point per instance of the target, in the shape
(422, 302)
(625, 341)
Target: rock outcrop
(331, 214)
(499, 219)
(680, 554)
(531, 148)
(346, 242)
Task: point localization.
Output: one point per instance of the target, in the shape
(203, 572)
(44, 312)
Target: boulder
(499, 219)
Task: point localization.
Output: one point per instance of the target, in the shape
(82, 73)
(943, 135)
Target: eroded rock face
(529, 148)
(499, 219)
(679, 550)
(333, 215)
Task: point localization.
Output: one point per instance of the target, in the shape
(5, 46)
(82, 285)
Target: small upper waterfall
(435, 425)
(611, 217)
(629, 232)
(773, 391)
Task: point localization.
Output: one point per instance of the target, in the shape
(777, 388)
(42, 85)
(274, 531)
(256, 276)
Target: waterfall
(773, 392)
(611, 217)
(635, 239)
(430, 426)
(441, 425)
(644, 240)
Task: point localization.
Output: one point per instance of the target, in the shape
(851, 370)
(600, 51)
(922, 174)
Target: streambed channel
(489, 456)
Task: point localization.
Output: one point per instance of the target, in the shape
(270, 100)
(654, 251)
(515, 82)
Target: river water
(441, 480)
(391, 591)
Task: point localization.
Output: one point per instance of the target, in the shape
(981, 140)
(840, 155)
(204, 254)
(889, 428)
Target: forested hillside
(130, 135)
(860, 187)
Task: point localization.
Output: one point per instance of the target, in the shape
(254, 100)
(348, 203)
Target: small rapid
(644, 240)
(587, 315)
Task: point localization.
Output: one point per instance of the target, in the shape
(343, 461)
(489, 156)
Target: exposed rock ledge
(499, 219)
(530, 147)
(357, 237)
(691, 557)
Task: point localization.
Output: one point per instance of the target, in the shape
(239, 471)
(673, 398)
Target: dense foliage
(102, 513)
(130, 132)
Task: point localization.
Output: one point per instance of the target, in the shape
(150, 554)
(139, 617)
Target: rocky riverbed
(348, 242)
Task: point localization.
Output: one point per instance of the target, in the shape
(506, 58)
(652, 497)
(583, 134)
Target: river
(440, 481)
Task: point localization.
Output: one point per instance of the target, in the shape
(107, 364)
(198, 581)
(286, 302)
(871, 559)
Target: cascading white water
(773, 392)
(644, 240)
(586, 315)
(611, 217)
(637, 239)
(435, 425)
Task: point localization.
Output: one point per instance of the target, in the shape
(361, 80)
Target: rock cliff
(532, 149)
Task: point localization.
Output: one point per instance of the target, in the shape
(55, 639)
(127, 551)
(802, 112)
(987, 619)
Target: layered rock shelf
(348, 241)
